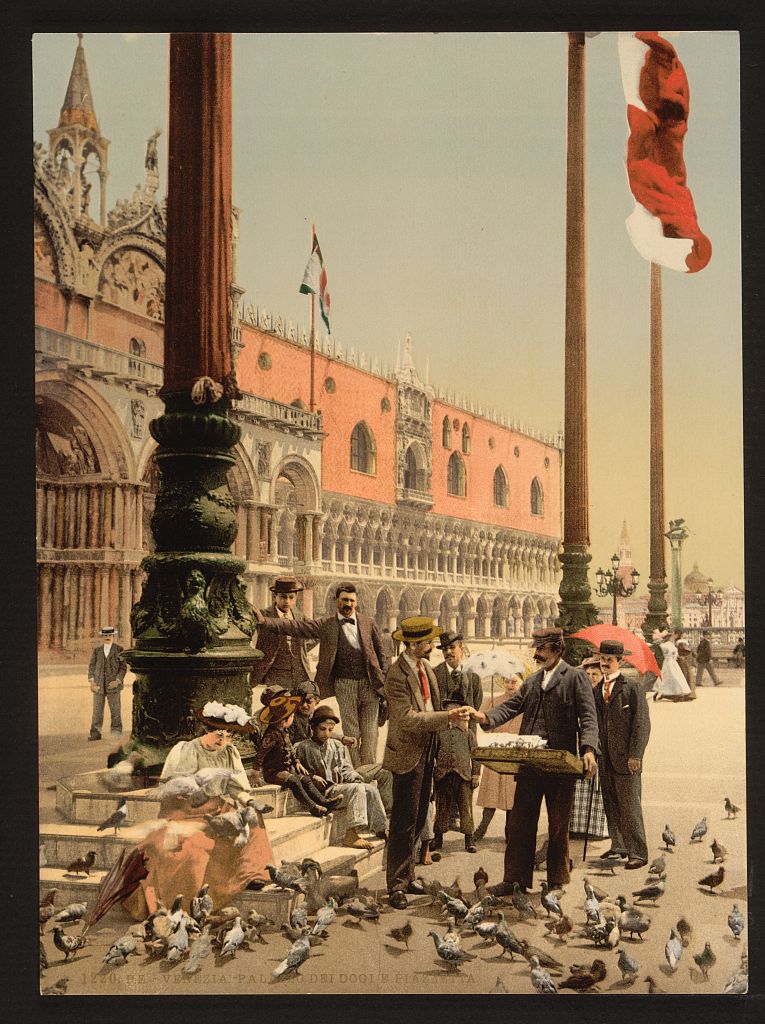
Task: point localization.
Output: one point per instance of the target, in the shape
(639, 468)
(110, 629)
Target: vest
(349, 663)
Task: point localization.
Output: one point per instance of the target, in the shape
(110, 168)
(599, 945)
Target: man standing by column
(352, 666)
(285, 659)
(624, 726)
(557, 704)
(704, 660)
(415, 716)
(106, 674)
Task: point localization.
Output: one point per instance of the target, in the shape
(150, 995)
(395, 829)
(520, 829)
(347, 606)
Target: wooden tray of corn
(520, 761)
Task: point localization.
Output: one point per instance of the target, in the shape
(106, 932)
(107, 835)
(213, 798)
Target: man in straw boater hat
(415, 716)
(352, 666)
(625, 726)
(285, 658)
(557, 704)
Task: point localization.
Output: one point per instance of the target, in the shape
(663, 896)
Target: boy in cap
(624, 726)
(333, 774)
(106, 675)
(557, 704)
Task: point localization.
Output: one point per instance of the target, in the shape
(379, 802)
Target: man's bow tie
(349, 622)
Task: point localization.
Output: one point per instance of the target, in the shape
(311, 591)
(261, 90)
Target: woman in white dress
(671, 684)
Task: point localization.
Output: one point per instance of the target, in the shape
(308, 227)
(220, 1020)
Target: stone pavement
(696, 757)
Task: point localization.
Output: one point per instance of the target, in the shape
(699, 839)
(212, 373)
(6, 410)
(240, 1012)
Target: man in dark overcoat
(557, 704)
(285, 658)
(106, 676)
(624, 726)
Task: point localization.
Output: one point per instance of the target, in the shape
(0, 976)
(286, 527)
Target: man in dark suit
(455, 773)
(557, 703)
(106, 674)
(415, 716)
(624, 726)
(352, 666)
(285, 659)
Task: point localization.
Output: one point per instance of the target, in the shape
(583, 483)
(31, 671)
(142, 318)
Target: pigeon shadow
(667, 971)
(697, 977)
(394, 950)
(708, 893)
(72, 959)
(621, 985)
(738, 892)
(733, 943)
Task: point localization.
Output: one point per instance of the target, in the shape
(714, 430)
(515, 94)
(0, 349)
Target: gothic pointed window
(363, 449)
(500, 488)
(465, 439)
(456, 482)
(537, 498)
(446, 433)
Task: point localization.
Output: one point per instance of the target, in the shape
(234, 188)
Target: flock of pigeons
(176, 936)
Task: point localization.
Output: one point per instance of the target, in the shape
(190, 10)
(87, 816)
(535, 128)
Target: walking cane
(589, 816)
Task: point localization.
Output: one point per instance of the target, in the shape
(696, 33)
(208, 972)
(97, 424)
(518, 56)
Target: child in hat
(276, 759)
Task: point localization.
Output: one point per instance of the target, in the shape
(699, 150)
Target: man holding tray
(557, 704)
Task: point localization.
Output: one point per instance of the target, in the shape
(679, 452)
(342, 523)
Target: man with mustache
(557, 704)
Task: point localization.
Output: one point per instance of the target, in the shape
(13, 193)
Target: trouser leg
(354, 800)
(346, 691)
(464, 794)
(377, 819)
(114, 699)
(383, 779)
(488, 814)
(97, 718)
(559, 799)
(411, 797)
(611, 806)
(521, 832)
(443, 791)
(369, 716)
(628, 790)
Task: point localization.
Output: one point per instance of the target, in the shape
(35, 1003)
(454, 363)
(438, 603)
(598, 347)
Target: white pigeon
(233, 938)
(541, 980)
(71, 913)
(673, 950)
(178, 944)
(182, 786)
(325, 916)
(209, 774)
(121, 950)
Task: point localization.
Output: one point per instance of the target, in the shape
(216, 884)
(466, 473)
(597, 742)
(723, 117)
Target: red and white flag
(663, 226)
(315, 280)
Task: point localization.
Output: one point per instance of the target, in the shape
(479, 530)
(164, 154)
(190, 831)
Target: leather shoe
(635, 862)
(416, 888)
(613, 854)
(397, 899)
(470, 846)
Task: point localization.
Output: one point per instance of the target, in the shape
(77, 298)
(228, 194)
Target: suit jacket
(108, 673)
(454, 745)
(326, 632)
(410, 726)
(268, 642)
(624, 723)
(568, 706)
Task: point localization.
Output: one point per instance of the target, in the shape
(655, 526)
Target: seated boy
(332, 772)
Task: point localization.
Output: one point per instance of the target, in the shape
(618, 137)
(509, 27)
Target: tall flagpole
(656, 618)
(313, 332)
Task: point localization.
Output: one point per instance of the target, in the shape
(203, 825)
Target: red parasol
(117, 884)
(641, 656)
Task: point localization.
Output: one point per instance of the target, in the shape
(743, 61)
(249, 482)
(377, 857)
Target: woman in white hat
(671, 684)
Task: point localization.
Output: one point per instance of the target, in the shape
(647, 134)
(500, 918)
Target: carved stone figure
(138, 416)
(264, 458)
(151, 160)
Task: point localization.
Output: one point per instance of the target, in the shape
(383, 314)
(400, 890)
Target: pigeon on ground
(297, 955)
(591, 905)
(719, 853)
(363, 911)
(730, 808)
(587, 979)
(47, 908)
(653, 988)
(67, 944)
(500, 989)
(540, 979)
(480, 878)
(600, 893)
(604, 863)
(627, 966)
(202, 905)
(293, 934)
(221, 919)
(118, 954)
(116, 820)
(477, 912)
(299, 917)
(58, 988)
(632, 920)
(651, 892)
(560, 926)
(699, 831)
(550, 901)
(673, 949)
(738, 983)
(705, 960)
(547, 961)
(668, 838)
(455, 907)
(452, 954)
(82, 865)
(714, 879)
(402, 934)
(284, 879)
(486, 930)
(256, 923)
(685, 931)
(178, 945)
(736, 921)
(179, 916)
(72, 913)
(198, 952)
(505, 938)
(604, 934)
(521, 902)
(233, 938)
(658, 866)
(327, 915)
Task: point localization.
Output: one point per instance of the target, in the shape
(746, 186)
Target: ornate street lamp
(609, 582)
(712, 599)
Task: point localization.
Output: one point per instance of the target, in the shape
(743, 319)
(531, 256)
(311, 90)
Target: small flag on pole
(663, 226)
(315, 281)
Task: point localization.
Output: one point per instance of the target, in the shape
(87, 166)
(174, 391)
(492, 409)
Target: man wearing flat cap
(285, 658)
(416, 714)
(557, 704)
(624, 726)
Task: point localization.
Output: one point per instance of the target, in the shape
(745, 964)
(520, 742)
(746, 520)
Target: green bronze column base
(657, 609)
(575, 608)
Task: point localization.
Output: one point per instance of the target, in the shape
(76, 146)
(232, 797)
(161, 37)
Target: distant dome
(696, 580)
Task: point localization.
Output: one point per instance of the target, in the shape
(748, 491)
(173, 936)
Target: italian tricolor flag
(315, 281)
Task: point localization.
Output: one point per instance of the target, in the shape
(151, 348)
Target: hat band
(416, 634)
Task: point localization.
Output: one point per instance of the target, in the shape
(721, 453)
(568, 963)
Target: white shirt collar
(610, 679)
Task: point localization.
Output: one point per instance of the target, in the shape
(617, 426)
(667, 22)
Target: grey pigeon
(199, 951)
(123, 948)
(550, 901)
(699, 831)
(730, 808)
(600, 893)
(179, 916)
(68, 944)
(181, 787)
(486, 930)
(719, 852)
(116, 820)
(591, 905)
(325, 916)
(450, 952)
(477, 912)
(363, 911)
(297, 955)
(604, 863)
(632, 920)
(651, 892)
(736, 921)
(705, 960)
(71, 913)
(202, 905)
(178, 945)
(256, 923)
(500, 989)
(545, 959)
(455, 907)
(658, 866)
(284, 879)
(738, 983)
(204, 776)
(668, 838)
(627, 966)
(505, 938)
(673, 949)
(233, 938)
(299, 917)
(541, 980)
(521, 902)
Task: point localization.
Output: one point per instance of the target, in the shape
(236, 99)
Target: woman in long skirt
(598, 827)
(496, 792)
(671, 684)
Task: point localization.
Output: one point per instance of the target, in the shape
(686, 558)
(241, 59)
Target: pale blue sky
(434, 169)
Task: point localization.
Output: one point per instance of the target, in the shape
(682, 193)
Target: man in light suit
(557, 704)
(285, 659)
(352, 666)
(624, 726)
(106, 675)
(415, 716)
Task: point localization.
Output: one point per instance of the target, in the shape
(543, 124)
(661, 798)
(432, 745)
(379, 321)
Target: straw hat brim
(279, 709)
(433, 634)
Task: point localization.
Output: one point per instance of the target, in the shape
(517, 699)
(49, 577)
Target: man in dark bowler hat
(624, 726)
(285, 658)
(415, 716)
(352, 666)
(106, 675)
(557, 704)
(455, 774)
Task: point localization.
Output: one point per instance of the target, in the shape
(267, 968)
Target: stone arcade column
(193, 624)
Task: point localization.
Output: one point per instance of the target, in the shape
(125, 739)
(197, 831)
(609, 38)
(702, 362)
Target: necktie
(423, 682)
(349, 622)
(607, 690)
